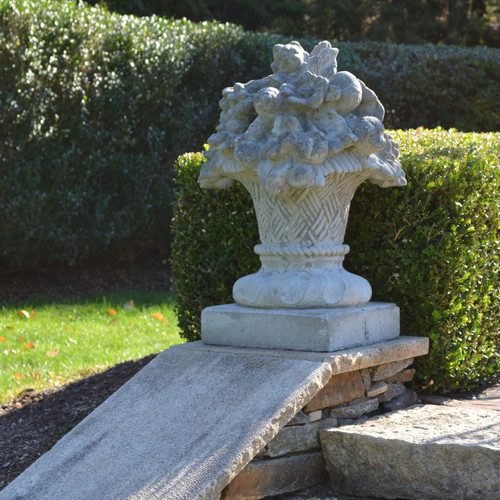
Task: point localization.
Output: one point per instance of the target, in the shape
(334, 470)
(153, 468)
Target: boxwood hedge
(432, 247)
(95, 106)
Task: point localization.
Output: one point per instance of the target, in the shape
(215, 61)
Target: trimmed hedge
(214, 233)
(95, 107)
(415, 22)
(430, 85)
(431, 247)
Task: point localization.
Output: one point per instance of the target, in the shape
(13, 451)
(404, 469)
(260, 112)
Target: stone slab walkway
(425, 451)
(182, 428)
(486, 399)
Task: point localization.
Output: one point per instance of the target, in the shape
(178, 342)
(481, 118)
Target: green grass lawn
(50, 343)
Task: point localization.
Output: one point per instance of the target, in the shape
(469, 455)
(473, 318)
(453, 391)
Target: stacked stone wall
(293, 459)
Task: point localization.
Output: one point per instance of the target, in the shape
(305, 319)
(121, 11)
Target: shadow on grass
(140, 298)
(68, 283)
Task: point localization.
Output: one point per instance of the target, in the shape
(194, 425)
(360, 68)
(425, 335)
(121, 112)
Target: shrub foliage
(95, 107)
(430, 85)
(214, 235)
(431, 247)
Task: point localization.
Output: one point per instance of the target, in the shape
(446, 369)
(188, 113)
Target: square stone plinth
(321, 329)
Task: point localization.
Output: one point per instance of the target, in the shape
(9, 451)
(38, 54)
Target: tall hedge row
(431, 247)
(95, 106)
(430, 85)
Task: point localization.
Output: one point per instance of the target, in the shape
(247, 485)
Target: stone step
(423, 452)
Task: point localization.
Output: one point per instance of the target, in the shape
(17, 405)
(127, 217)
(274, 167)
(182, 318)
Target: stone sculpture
(301, 141)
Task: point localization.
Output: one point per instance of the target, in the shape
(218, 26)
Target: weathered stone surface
(376, 389)
(346, 360)
(392, 391)
(297, 438)
(300, 418)
(408, 398)
(317, 492)
(355, 409)
(182, 428)
(314, 415)
(402, 348)
(429, 452)
(367, 378)
(488, 403)
(386, 370)
(404, 376)
(319, 329)
(276, 476)
(351, 421)
(294, 439)
(340, 389)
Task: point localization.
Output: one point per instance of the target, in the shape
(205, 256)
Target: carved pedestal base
(319, 329)
(302, 282)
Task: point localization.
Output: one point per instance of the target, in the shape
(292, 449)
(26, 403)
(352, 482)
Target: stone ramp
(430, 452)
(182, 428)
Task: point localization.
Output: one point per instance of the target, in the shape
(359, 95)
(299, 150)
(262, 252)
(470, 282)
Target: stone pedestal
(319, 329)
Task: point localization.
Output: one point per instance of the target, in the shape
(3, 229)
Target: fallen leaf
(32, 314)
(24, 313)
(112, 322)
(18, 376)
(35, 375)
(3, 339)
(129, 306)
(9, 327)
(66, 327)
(112, 312)
(29, 345)
(21, 339)
(73, 318)
(52, 353)
(159, 316)
(18, 404)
